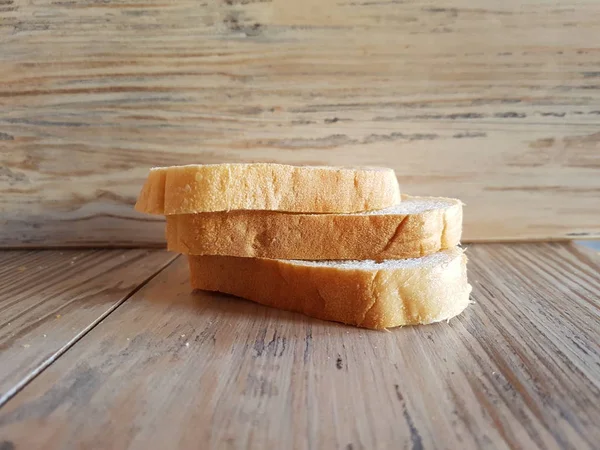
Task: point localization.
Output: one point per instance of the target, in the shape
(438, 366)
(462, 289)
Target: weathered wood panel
(497, 103)
(174, 369)
(50, 299)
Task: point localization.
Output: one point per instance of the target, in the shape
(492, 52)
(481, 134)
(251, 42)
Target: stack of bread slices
(333, 243)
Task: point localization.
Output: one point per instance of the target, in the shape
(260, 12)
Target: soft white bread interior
(274, 187)
(362, 293)
(416, 227)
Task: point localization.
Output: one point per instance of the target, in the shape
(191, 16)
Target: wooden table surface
(111, 349)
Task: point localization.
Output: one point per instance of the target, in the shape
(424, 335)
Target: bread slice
(416, 227)
(362, 293)
(273, 187)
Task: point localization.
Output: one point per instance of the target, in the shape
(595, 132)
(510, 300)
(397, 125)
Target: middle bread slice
(416, 227)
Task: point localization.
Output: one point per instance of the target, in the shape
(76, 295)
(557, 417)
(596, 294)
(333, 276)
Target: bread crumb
(26, 345)
(183, 335)
(187, 344)
(58, 316)
(22, 268)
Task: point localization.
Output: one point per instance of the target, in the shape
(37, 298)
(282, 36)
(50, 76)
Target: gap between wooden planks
(50, 299)
(172, 369)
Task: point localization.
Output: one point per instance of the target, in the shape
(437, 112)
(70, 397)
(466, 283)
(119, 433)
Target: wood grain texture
(519, 369)
(497, 104)
(49, 299)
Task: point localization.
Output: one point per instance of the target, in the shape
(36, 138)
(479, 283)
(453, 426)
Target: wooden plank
(520, 369)
(49, 299)
(496, 104)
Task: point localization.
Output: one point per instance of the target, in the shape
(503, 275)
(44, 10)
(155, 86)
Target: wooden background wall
(493, 101)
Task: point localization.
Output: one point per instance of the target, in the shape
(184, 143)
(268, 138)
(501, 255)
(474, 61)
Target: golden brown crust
(432, 289)
(277, 235)
(272, 187)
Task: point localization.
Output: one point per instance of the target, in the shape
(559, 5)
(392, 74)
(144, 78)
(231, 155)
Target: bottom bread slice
(363, 293)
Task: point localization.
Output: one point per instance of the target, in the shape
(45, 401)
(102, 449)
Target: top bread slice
(416, 227)
(273, 187)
